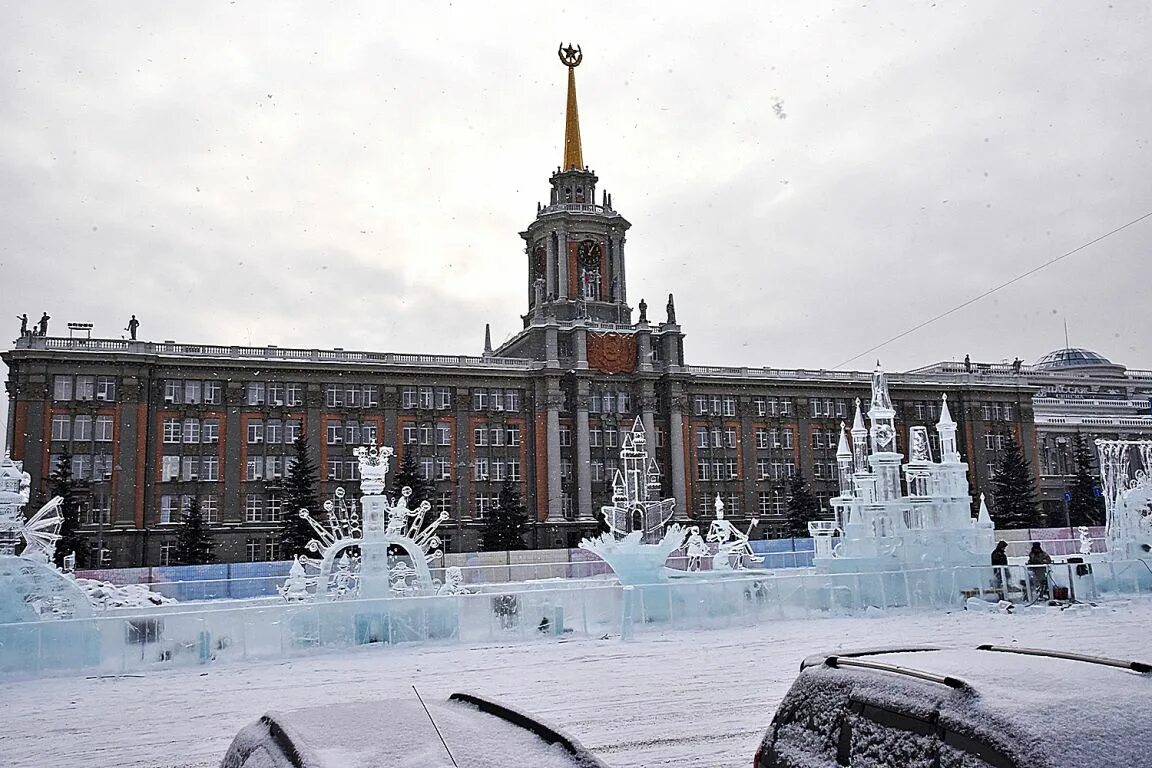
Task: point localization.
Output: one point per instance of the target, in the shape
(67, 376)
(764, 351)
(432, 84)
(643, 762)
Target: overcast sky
(809, 181)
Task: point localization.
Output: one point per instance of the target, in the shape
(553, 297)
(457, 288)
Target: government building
(151, 424)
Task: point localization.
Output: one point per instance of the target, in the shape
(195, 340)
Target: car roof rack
(1135, 666)
(847, 661)
(818, 659)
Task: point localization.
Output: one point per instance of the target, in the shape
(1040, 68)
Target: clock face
(884, 435)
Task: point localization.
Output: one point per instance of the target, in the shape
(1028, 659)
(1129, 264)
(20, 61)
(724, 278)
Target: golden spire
(573, 155)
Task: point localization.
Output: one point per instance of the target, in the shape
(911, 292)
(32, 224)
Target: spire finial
(487, 339)
(573, 153)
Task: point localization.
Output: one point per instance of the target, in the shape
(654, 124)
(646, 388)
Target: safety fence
(122, 641)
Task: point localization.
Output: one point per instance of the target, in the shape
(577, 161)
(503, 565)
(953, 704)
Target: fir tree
(408, 474)
(60, 483)
(507, 524)
(1013, 489)
(299, 493)
(194, 542)
(1085, 507)
(803, 507)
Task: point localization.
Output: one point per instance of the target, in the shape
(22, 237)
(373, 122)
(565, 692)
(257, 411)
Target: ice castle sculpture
(882, 528)
(31, 588)
(638, 541)
(1126, 477)
(385, 553)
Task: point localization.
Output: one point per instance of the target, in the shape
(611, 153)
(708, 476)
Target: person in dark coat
(1038, 562)
(1000, 563)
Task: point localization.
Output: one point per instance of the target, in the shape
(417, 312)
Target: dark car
(466, 730)
(984, 707)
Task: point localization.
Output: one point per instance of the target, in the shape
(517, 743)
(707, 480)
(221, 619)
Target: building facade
(1076, 391)
(150, 425)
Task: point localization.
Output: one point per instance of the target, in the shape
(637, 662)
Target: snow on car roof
(399, 732)
(1054, 711)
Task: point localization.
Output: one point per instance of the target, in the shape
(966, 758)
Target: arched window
(590, 275)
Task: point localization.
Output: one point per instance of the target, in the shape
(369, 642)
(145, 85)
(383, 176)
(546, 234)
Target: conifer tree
(408, 474)
(1085, 507)
(1013, 489)
(507, 524)
(61, 483)
(802, 508)
(300, 486)
(194, 542)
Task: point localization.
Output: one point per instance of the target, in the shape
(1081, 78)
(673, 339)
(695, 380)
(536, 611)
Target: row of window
(997, 411)
(349, 432)
(193, 392)
(189, 468)
(173, 507)
(191, 431)
(718, 470)
(496, 470)
(82, 428)
(69, 387)
(86, 466)
(603, 438)
(274, 393)
(507, 434)
(610, 401)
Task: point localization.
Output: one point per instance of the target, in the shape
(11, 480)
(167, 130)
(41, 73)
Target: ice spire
(946, 429)
(985, 519)
(843, 449)
(844, 462)
(573, 153)
(880, 396)
(859, 440)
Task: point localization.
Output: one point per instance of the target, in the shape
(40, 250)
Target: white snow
(104, 594)
(702, 698)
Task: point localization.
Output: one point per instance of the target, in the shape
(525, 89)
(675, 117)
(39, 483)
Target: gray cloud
(355, 174)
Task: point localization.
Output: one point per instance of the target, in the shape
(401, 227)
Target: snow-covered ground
(692, 697)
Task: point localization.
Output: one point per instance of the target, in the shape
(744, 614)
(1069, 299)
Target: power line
(991, 291)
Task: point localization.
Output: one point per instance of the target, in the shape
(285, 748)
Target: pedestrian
(1000, 564)
(1038, 562)
(44, 318)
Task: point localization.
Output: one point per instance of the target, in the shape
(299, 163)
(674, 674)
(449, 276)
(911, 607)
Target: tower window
(589, 259)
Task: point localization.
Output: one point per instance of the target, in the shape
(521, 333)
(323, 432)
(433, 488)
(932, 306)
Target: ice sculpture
(730, 542)
(1127, 486)
(385, 553)
(31, 588)
(638, 541)
(881, 527)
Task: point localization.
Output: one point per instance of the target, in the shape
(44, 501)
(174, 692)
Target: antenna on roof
(1066, 344)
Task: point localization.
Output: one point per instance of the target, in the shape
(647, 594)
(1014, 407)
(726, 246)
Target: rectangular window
(411, 434)
(481, 469)
(252, 467)
(787, 435)
(729, 405)
(479, 399)
(191, 431)
(85, 387)
(496, 397)
(443, 503)
(497, 470)
(443, 468)
(275, 393)
(764, 502)
(274, 508)
(82, 466)
(169, 468)
(565, 436)
(427, 467)
(595, 438)
(61, 428)
(761, 437)
(291, 430)
(700, 405)
(210, 431)
(512, 400)
(701, 437)
(352, 432)
(273, 467)
(62, 388)
(425, 434)
(480, 437)
(169, 509)
(335, 468)
(514, 470)
(717, 437)
(253, 549)
(173, 391)
(426, 397)
(611, 437)
(253, 508)
(333, 433)
(294, 394)
(353, 396)
(172, 430)
(212, 392)
(102, 466)
(190, 468)
(255, 431)
(702, 471)
(408, 397)
(762, 469)
(333, 395)
(443, 398)
(210, 468)
(106, 388)
(760, 406)
(597, 471)
(565, 469)
(732, 469)
(371, 395)
(192, 392)
(255, 393)
(496, 436)
(274, 431)
(730, 437)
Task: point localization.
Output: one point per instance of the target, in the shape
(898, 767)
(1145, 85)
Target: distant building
(150, 424)
(1076, 390)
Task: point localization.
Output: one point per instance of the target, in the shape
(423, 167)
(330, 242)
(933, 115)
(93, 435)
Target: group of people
(1038, 562)
(40, 329)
